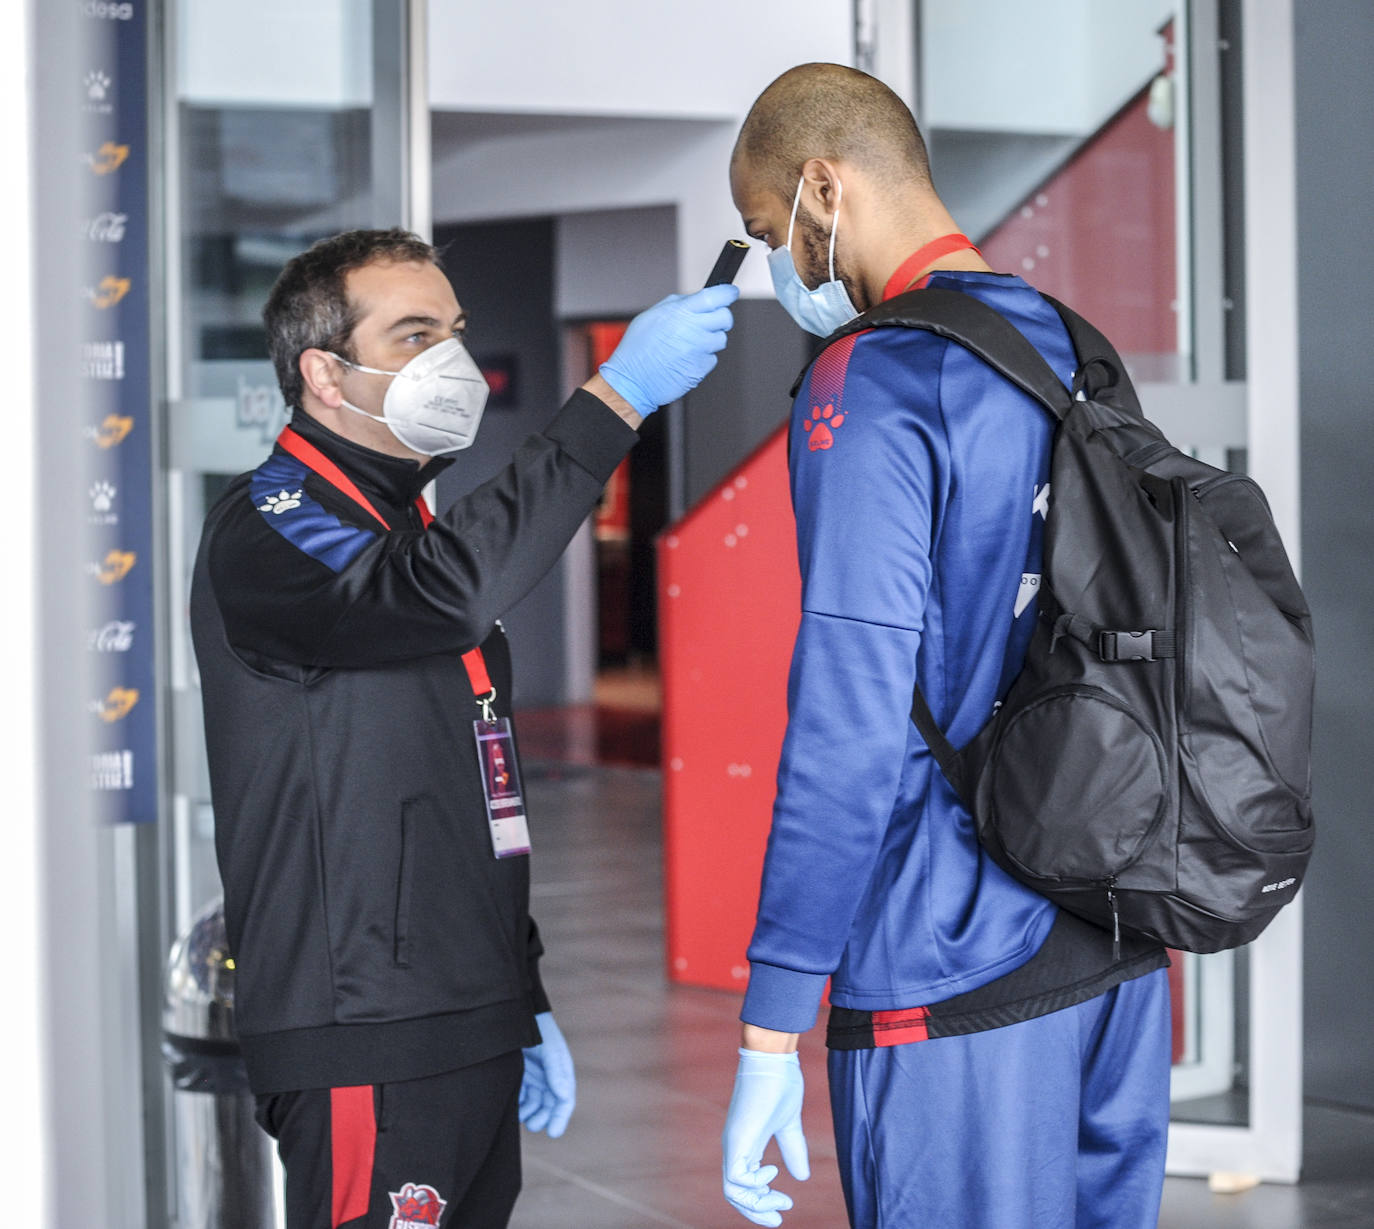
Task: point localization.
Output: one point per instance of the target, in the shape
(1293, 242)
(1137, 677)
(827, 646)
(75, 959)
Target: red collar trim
(922, 258)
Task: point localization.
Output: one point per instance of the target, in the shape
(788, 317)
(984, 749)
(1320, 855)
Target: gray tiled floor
(655, 1062)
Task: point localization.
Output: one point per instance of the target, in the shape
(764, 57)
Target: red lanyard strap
(313, 459)
(923, 257)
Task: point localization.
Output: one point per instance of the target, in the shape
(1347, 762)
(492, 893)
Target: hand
(669, 347)
(767, 1102)
(549, 1090)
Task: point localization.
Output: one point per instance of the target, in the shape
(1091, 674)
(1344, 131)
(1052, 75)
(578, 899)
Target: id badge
(510, 831)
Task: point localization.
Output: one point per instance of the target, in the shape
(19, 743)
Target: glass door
(267, 150)
(1096, 151)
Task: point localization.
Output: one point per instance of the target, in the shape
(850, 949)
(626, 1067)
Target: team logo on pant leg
(417, 1207)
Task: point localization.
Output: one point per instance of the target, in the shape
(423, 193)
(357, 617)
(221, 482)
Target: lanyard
(313, 459)
(923, 256)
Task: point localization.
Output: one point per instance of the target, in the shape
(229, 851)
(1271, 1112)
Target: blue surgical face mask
(820, 311)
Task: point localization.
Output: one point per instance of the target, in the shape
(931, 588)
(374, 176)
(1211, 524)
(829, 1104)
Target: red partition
(729, 605)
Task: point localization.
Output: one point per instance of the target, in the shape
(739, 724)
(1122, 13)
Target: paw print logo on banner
(821, 428)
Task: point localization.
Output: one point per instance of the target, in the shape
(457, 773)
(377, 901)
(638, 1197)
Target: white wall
(270, 53)
(1053, 67)
(707, 59)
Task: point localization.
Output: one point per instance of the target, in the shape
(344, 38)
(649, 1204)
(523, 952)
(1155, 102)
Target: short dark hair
(830, 111)
(308, 307)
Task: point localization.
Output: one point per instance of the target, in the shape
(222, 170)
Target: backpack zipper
(1116, 919)
(1183, 494)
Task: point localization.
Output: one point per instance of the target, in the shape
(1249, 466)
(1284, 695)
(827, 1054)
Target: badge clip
(488, 703)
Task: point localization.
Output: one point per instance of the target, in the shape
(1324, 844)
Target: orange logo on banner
(118, 564)
(108, 158)
(113, 431)
(117, 705)
(110, 291)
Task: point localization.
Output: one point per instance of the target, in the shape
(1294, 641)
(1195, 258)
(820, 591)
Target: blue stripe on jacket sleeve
(278, 492)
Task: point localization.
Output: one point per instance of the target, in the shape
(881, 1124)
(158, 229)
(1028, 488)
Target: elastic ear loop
(835, 224)
(792, 221)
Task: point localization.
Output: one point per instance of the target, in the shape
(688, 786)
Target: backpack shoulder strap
(970, 323)
(1101, 375)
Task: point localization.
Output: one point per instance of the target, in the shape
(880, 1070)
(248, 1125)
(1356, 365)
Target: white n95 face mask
(820, 311)
(435, 402)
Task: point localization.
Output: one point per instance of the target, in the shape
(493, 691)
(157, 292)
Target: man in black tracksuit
(387, 965)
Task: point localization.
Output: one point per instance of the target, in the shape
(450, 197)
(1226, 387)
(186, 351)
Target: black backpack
(1149, 766)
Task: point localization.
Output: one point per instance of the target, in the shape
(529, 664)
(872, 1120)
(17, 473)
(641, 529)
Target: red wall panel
(729, 606)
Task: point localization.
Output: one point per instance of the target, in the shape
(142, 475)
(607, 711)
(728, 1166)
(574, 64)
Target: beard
(813, 261)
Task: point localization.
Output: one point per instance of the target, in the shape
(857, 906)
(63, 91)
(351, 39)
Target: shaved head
(830, 111)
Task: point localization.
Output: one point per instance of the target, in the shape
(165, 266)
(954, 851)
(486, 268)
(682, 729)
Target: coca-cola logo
(106, 227)
(117, 636)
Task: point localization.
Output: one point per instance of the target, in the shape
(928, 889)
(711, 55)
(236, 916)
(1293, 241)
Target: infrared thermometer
(727, 263)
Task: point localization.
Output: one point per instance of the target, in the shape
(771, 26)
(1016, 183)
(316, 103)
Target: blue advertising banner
(115, 363)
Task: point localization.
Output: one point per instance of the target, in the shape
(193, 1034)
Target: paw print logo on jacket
(821, 428)
(283, 501)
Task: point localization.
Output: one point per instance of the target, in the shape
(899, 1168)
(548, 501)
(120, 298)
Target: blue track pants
(1059, 1122)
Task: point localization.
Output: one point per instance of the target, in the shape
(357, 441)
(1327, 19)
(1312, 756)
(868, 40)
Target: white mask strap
(792, 221)
(348, 405)
(835, 224)
(372, 371)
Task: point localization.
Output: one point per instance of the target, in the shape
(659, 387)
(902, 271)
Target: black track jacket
(376, 936)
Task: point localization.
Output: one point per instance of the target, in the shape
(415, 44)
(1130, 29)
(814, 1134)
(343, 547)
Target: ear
(320, 371)
(820, 186)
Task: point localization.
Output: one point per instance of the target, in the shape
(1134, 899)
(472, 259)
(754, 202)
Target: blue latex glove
(548, 1091)
(767, 1102)
(669, 347)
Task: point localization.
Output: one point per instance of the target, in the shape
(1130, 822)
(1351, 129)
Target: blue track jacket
(920, 486)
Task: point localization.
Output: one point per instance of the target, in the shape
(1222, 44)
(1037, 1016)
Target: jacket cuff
(782, 999)
(592, 433)
(534, 949)
(539, 1000)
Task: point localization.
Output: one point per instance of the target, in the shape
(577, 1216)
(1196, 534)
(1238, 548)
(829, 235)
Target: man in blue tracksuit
(993, 1062)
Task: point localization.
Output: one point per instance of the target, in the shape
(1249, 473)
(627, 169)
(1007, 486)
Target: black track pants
(444, 1150)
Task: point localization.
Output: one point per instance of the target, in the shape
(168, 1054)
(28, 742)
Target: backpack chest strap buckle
(1135, 646)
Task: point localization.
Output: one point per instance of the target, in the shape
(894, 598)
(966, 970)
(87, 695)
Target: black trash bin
(226, 1166)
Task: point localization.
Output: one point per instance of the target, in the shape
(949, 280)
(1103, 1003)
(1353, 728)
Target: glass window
(1055, 140)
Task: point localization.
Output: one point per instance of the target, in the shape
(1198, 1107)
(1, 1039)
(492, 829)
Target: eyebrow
(427, 322)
